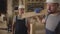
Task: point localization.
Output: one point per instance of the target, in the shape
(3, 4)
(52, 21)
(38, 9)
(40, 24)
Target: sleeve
(14, 19)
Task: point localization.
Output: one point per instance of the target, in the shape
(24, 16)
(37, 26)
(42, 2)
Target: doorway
(3, 6)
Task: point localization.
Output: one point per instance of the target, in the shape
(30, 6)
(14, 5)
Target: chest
(53, 19)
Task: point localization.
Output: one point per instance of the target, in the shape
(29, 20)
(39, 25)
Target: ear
(59, 7)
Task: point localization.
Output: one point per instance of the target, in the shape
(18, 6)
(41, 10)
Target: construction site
(33, 11)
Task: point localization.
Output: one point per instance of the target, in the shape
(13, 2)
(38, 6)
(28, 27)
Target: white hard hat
(21, 6)
(52, 1)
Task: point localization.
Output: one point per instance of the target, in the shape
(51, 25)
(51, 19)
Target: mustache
(50, 12)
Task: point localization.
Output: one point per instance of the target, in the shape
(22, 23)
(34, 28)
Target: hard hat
(21, 6)
(52, 1)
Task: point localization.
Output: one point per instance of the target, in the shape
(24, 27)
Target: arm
(43, 20)
(28, 26)
(13, 25)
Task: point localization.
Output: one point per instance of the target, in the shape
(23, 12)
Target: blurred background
(34, 10)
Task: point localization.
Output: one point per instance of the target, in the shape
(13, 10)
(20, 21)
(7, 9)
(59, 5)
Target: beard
(51, 12)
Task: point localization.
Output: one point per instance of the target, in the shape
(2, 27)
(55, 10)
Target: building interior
(8, 8)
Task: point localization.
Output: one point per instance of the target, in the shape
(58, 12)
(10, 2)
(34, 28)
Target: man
(53, 18)
(21, 25)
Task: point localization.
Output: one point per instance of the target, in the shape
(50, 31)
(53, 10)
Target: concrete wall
(9, 7)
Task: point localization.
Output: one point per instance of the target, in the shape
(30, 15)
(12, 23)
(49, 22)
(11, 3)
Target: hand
(43, 21)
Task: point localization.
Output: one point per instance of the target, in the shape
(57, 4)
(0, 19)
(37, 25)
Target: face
(21, 11)
(52, 7)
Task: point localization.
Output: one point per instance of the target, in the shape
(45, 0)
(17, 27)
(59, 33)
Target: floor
(4, 32)
(37, 28)
(3, 28)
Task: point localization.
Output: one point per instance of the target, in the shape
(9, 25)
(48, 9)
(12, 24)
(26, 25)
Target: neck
(56, 13)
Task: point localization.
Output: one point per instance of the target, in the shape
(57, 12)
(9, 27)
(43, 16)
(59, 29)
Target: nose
(49, 8)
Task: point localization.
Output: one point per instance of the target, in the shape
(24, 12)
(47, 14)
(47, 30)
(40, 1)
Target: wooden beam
(9, 7)
(31, 14)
